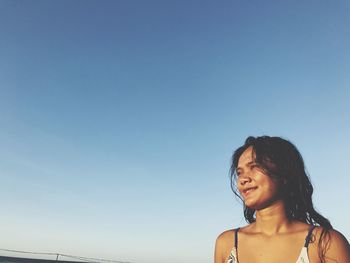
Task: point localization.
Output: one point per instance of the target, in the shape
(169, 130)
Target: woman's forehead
(246, 157)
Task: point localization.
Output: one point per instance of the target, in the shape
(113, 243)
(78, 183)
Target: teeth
(249, 190)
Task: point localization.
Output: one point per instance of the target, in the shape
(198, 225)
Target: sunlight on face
(256, 187)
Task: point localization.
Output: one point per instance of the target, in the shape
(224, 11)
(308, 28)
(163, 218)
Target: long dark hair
(281, 160)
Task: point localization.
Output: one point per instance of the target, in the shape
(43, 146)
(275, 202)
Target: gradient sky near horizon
(119, 118)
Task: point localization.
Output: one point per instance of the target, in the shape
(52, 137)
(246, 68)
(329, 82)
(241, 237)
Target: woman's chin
(251, 205)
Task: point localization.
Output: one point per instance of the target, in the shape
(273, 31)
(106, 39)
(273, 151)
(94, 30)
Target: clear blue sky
(119, 118)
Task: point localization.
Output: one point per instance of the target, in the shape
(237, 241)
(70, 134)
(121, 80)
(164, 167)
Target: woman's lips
(248, 190)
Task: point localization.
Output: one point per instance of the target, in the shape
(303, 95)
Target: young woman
(268, 174)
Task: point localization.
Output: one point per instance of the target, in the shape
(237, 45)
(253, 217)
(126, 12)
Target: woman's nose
(243, 179)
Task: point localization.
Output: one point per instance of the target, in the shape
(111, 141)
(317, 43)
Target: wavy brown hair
(282, 161)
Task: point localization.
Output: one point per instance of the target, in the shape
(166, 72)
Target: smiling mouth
(248, 190)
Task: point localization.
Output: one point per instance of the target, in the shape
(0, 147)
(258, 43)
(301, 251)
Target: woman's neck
(272, 219)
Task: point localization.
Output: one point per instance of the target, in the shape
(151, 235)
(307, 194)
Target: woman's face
(257, 189)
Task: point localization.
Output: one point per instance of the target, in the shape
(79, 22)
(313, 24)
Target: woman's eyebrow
(247, 165)
(250, 163)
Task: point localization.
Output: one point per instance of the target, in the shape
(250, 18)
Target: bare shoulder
(338, 238)
(339, 248)
(226, 236)
(223, 245)
(335, 246)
